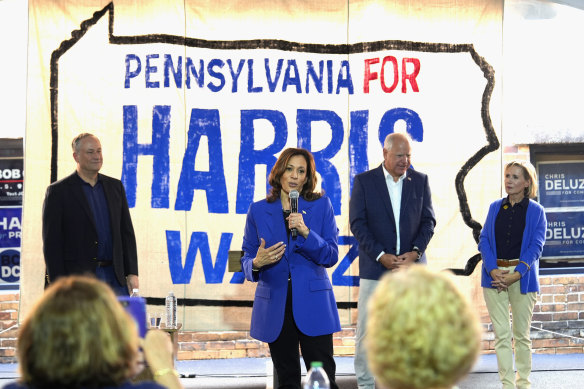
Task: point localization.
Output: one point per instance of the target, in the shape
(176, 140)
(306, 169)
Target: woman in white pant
(511, 243)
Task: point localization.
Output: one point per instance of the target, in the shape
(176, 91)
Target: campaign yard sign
(564, 235)
(11, 181)
(561, 192)
(561, 185)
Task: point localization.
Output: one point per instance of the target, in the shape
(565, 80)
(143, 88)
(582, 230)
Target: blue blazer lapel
(304, 208)
(276, 225)
(407, 190)
(381, 190)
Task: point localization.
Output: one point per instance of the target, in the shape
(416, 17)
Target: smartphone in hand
(136, 307)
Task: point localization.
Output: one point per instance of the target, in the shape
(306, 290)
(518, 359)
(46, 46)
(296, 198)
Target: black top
(509, 227)
(286, 214)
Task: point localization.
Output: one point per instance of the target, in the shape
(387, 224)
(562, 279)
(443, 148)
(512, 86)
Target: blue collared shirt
(99, 207)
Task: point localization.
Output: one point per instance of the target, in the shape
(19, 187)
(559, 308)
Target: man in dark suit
(392, 218)
(86, 223)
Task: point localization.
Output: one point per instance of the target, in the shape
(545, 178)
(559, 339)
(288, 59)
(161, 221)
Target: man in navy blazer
(391, 216)
(86, 223)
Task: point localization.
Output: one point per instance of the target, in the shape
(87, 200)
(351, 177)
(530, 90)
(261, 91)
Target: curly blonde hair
(422, 331)
(77, 335)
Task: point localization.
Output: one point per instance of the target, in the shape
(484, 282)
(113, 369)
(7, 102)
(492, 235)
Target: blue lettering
(250, 87)
(199, 242)
(338, 276)
(273, 82)
(159, 148)
(203, 122)
(330, 177)
(329, 73)
(149, 70)
(358, 131)
(198, 75)
(311, 73)
(290, 79)
(414, 125)
(345, 81)
(176, 73)
(218, 75)
(249, 157)
(237, 278)
(235, 75)
(131, 73)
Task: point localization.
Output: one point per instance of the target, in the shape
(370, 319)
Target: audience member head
(422, 331)
(77, 335)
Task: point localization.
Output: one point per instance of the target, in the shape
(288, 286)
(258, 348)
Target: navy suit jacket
(313, 301)
(69, 232)
(373, 224)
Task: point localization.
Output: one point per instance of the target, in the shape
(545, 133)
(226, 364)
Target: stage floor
(563, 371)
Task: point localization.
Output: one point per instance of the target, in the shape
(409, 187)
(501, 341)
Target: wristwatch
(417, 250)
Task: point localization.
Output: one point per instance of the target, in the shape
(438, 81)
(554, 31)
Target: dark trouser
(107, 274)
(285, 354)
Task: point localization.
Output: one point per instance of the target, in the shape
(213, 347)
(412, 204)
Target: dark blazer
(306, 260)
(373, 224)
(70, 235)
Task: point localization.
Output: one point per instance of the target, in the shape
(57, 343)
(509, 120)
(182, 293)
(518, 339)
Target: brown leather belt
(104, 263)
(507, 262)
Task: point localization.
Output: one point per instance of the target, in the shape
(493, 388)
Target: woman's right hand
(267, 256)
(498, 279)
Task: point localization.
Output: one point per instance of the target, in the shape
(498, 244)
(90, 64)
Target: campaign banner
(11, 181)
(9, 266)
(10, 226)
(561, 184)
(564, 235)
(193, 103)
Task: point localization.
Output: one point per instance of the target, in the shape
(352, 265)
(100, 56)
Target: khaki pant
(365, 379)
(522, 310)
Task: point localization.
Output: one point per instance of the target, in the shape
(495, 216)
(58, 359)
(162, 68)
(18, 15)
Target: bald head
(395, 137)
(397, 154)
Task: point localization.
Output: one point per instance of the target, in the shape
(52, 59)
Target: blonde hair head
(422, 332)
(77, 335)
(529, 174)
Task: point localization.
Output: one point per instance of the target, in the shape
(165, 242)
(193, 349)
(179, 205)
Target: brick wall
(8, 326)
(558, 313)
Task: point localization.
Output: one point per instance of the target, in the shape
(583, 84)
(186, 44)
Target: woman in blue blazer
(287, 254)
(511, 243)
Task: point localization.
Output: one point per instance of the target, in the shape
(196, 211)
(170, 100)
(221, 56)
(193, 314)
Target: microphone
(294, 209)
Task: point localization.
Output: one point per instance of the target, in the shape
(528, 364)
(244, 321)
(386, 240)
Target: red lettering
(384, 86)
(368, 74)
(410, 68)
(411, 77)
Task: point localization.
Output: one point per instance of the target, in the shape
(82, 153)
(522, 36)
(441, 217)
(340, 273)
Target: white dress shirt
(395, 195)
